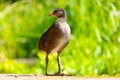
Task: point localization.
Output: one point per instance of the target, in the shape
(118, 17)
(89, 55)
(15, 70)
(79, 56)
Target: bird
(55, 38)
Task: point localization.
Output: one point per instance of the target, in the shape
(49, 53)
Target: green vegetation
(94, 48)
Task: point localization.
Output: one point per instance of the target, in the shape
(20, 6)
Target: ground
(40, 77)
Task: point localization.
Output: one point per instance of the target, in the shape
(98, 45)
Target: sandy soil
(40, 77)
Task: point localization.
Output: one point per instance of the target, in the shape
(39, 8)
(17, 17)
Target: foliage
(94, 48)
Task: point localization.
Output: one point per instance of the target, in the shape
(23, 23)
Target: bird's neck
(62, 19)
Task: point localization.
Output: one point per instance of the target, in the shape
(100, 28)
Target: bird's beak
(51, 14)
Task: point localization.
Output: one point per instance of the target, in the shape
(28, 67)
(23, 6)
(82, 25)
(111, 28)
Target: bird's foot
(59, 74)
(62, 74)
(49, 75)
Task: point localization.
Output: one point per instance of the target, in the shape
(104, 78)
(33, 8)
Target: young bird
(55, 38)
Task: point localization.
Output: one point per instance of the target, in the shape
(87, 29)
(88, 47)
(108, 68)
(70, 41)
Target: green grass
(94, 48)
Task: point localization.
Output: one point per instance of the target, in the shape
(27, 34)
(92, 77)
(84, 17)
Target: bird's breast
(65, 30)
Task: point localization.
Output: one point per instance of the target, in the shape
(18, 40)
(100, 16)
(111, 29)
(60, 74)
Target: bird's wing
(50, 33)
(48, 37)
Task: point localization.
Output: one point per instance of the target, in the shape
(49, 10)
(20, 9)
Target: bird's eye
(55, 11)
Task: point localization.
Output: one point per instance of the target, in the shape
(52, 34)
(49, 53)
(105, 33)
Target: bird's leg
(59, 65)
(60, 73)
(47, 60)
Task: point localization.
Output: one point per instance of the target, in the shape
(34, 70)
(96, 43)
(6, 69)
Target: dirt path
(39, 77)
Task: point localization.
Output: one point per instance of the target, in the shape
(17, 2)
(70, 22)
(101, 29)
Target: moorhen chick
(55, 38)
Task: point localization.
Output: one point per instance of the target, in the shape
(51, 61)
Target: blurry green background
(94, 48)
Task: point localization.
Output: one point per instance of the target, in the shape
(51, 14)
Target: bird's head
(60, 13)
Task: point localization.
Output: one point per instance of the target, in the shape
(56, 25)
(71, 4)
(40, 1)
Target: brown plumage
(56, 37)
